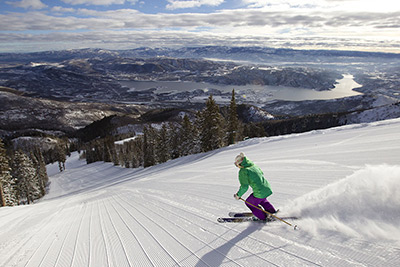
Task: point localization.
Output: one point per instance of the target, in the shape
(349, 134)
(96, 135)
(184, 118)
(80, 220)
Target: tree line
(212, 128)
(23, 174)
(23, 177)
(157, 144)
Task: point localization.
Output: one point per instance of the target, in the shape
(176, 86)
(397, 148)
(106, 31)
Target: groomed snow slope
(343, 182)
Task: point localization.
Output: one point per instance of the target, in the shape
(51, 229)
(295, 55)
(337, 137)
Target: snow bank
(364, 204)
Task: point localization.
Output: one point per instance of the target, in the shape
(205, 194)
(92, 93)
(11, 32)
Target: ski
(249, 217)
(243, 214)
(240, 214)
(239, 219)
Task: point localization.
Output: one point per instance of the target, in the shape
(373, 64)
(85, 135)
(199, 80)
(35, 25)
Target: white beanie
(239, 158)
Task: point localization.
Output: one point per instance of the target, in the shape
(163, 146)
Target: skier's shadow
(216, 256)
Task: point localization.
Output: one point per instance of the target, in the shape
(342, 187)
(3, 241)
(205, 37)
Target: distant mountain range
(95, 75)
(81, 79)
(248, 54)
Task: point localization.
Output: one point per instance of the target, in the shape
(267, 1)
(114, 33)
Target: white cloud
(62, 9)
(343, 5)
(368, 5)
(178, 4)
(42, 22)
(298, 4)
(33, 4)
(250, 20)
(98, 2)
(244, 25)
(119, 14)
(127, 39)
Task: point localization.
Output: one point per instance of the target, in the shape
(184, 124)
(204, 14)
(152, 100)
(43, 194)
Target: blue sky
(148, 7)
(37, 25)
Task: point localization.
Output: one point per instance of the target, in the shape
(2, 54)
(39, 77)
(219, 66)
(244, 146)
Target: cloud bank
(368, 26)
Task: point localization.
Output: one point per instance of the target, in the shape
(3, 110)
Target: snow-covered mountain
(99, 80)
(95, 75)
(342, 182)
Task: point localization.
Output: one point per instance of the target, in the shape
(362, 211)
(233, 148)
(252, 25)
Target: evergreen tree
(37, 189)
(3, 169)
(60, 156)
(254, 130)
(148, 146)
(188, 137)
(162, 145)
(88, 153)
(94, 152)
(108, 148)
(26, 178)
(174, 140)
(113, 151)
(233, 121)
(9, 191)
(38, 161)
(137, 154)
(212, 128)
(7, 195)
(123, 153)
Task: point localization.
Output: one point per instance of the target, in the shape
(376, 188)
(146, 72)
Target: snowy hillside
(343, 182)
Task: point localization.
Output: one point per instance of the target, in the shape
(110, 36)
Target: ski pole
(282, 220)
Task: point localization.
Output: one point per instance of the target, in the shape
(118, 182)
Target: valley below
(66, 90)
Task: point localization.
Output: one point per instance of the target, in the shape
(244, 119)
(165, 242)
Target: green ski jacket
(252, 175)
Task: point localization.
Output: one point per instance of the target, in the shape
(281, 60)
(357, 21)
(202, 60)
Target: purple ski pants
(260, 201)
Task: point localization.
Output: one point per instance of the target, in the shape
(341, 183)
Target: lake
(254, 93)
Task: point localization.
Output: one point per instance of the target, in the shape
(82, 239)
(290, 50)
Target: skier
(252, 175)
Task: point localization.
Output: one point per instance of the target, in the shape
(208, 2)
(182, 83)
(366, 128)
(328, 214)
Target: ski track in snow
(165, 215)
